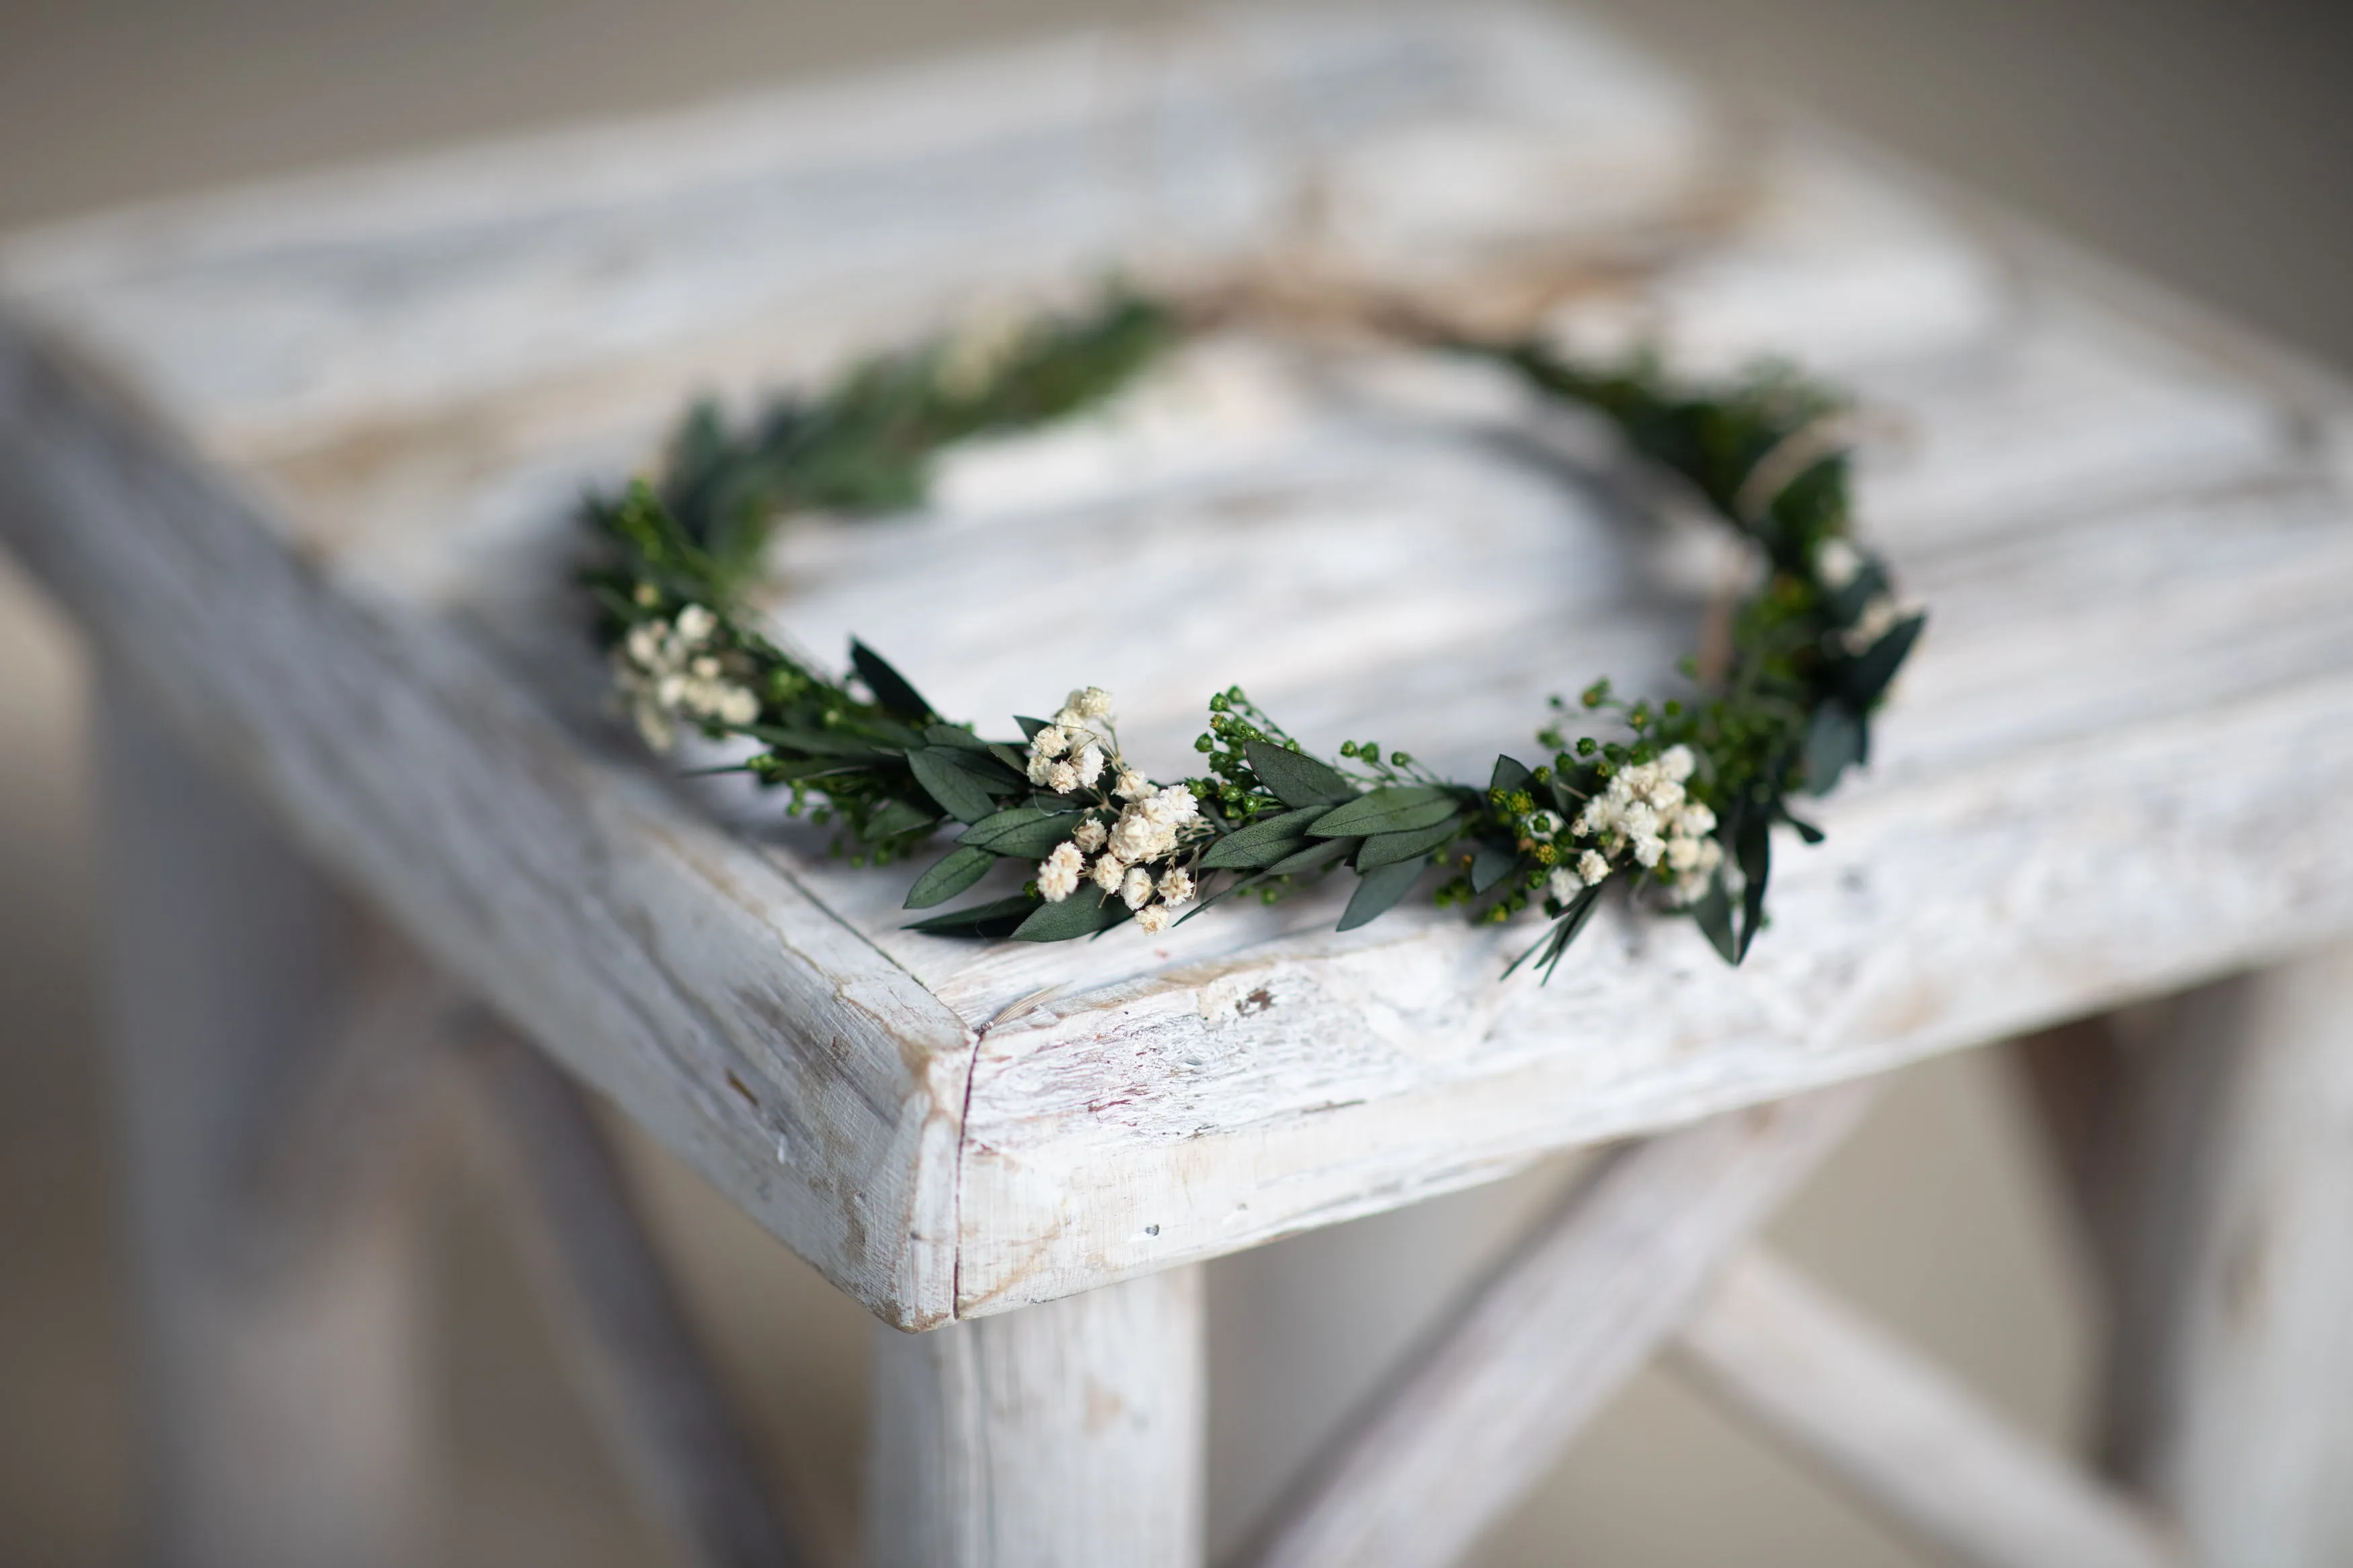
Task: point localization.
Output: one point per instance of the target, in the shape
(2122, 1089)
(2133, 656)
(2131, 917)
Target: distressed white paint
(1066, 1436)
(1480, 1411)
(2134, 539)
(655, 1398)
(1900, 1434)
(2232, 1373)
(280, 1418)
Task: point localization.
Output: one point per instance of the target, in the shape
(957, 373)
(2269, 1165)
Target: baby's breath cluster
(1674, 801)
(1130, 842)
(667, 669)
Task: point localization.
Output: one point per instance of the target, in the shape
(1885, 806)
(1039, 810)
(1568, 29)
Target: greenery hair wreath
(1677, 804)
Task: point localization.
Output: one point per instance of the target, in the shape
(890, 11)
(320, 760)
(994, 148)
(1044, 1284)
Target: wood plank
(323, 1138)
(1898, 1433)
(280, 1421)
(1484, 1407)
(1068, 1436)
(798, 1069)
(2231, 1374)
(655, 1399)
(2135, 546)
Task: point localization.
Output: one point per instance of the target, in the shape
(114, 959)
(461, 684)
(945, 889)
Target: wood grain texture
(775, 1052)
(655, 1399)
(1481, 1411)
(2231, 1375)
(1068, 1436)
(280, 1421)
(1898, 1433)
(2133, 532)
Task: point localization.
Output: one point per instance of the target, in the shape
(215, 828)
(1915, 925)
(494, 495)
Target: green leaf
(1389, 809)
(960, 794)
(1510, 775)
(954, 735)
(1083, 913)
(816, 743)
(1295, 778)
(1492, 864)
(1323, 852)
(1713, 911)
(1021, 832)
(890, 687)
(1377, 890)
(1029, 727)
(1834, 743)
(1579, 914)
(1753, 847)
(896, 818)
(951, 874)
(1264, 842)
(1001, 917)
(1385, 849)
(1862, 681)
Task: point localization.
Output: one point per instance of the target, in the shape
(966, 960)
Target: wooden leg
(2232, 1377)
(1066, 1436)
(279, 1407)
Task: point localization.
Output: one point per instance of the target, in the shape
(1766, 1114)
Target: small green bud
(1400, 760)
(1586, 746)
(1204, 743)
(1347, 748)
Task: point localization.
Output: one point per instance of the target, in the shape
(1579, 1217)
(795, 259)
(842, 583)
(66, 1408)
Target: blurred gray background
(2207, 145)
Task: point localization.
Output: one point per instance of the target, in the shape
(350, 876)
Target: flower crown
(1676, 803)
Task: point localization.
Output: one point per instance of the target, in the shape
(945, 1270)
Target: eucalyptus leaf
(954, 735)
(1021, 832)
(1389, 809)
(1492, 864)
(1320, 852)
(1510, 774)
(1264, 842)
(1029, 727)
(951, 874)
(1377, 891)
(960, 794)
(891, 689)
(1385, 849)
(1834, 743)
(896, 817)
(816, 743)
(1296, 778)
(1753, 848)
(1000, 918)
(1712, 912)
(1863, 681)
(1083, 913)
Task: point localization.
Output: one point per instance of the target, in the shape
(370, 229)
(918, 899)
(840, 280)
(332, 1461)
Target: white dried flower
(1648, 847)
(1135, 889)
(1695, 820)
(1051, 742)
(1108, 873)
(1642, 777)
(1591, 867)
(1137, 836)
(1132, 785)
(1837, 562)
(653, 724)
(1599, 816)
(1683, 854)
(1091, 702)
(1041, 769)
(1710, 855)
(1640, 820)
(1088, 764)
(1563, 884)
(1057, 874)
(1152, 918)
(1677, 763)
(1089, 835)
(695, 625)
(1176, 885)
(1173, 804)
(738, 705)
(1665, 796)
(1061, 778)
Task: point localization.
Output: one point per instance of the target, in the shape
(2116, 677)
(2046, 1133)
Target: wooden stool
(300, 460)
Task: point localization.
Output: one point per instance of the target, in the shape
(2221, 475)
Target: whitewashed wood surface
(2106, 774)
